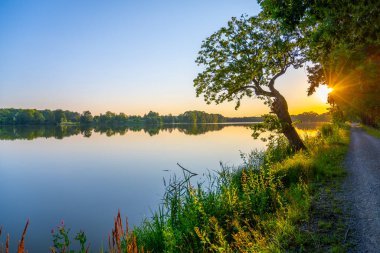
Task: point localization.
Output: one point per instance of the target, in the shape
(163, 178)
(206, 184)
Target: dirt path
(361, 191)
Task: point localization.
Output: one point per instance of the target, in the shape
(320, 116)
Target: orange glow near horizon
(292, 85)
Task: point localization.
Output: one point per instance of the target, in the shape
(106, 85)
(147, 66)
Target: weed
(62, 243)
(257, 207)
(123, 240)
(372, 131)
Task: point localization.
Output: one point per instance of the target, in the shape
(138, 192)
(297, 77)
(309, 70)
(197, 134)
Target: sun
(322, 92)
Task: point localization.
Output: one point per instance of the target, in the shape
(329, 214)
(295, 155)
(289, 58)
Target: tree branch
(271, 83)
(259, 91)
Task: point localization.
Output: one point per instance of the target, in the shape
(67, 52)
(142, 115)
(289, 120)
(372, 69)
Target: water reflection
(86, 180)
(308, 128)
(60, 132)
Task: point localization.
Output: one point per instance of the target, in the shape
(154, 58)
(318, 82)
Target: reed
(123, 240)
(21, 243)
(7, 245)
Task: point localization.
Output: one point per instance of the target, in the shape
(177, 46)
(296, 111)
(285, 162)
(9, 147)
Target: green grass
(372, 131)
(327, 227)
(261, 206)
(324, 224)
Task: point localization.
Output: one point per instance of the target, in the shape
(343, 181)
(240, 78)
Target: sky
(120, 56)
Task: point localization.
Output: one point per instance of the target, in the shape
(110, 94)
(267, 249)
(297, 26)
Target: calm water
(84, 176)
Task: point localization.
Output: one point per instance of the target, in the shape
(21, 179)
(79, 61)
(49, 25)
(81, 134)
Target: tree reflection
(63, 131)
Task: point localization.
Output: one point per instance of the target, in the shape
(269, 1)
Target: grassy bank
(372, 131)
(262, 206)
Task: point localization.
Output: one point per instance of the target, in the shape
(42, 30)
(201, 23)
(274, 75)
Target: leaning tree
(244, 59)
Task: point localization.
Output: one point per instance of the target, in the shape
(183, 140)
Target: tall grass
(123, 240)
(254, 208)
(372, 131)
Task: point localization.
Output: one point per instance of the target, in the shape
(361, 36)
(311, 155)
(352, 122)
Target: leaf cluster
(245, 58)
(62, 243)
(343, 43)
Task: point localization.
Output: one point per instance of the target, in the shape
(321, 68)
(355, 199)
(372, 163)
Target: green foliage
(327, 130)
(61, 240)
(270, 123)
(151, 232)
(243, 58)
(195, 117)
(277, 132)
(12, 116)
(261, 206)
(343, 43)
(82, 239)
(153, 118)
(86, 117)
(278, 149)
(198, 220)
(312, 117)
(331, 150)
(354, 77)
(59, 117)
(254, 208)
(372, 131)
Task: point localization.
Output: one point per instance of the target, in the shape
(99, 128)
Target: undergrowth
(258, 207)
(372, 131)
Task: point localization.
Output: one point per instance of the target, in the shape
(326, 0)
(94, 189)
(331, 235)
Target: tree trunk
(280, 108)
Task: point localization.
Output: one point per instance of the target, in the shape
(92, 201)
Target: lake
(84, 175)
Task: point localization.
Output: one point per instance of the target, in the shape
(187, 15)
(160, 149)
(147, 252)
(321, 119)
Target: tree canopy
(342, 40)
(244, 59)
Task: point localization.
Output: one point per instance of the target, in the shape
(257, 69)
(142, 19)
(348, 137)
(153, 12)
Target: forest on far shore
(11, 116)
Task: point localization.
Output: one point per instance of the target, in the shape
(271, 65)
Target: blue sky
(122, 56)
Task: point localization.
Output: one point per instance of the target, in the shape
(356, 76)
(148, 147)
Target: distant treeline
(312, 117)
(11, 116)
(30, 132)
(60, 117)
(244, 119)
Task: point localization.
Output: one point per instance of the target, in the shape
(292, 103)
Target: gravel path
(361, 191)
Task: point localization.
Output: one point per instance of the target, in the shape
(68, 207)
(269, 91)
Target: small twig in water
(192, 173)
